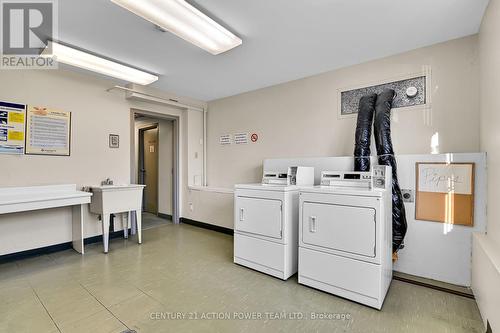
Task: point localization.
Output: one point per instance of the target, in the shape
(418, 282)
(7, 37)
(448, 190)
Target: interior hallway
(187, 270)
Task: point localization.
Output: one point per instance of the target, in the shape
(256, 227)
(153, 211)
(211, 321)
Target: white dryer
(266, 228)
(345, 235)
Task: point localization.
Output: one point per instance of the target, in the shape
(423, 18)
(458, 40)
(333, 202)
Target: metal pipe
(156, 98)
(205, 147)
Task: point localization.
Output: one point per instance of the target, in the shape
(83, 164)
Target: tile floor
(152, 221)
(181, 277)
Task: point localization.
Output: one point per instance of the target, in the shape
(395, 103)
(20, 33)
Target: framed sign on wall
(445, 193)
(114, 141)
(12, 118)
(48, 132)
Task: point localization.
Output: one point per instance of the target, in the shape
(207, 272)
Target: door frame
(176, 154)
(141, 152)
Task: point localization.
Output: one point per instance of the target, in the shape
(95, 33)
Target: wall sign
(48, 132)
(12, 118)
(241, 138)
(114, 141)
(254, 137)
(225, 139)
(445, 193)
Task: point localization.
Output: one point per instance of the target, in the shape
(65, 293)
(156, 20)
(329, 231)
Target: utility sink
(114, 199)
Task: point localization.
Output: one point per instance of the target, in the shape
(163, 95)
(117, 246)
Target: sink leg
(138, 218)
(133, 224)
(105, 231)
(125, 222)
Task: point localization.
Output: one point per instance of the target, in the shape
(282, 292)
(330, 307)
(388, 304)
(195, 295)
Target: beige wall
(489, 51)
(486, 251)
(195, 148)
(95, 114)
(299, 118)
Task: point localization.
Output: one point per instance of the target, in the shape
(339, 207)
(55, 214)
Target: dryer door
(258, 216)
(343, 228)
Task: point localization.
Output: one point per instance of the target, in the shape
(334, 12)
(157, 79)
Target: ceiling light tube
(70, 56)
(185, 21)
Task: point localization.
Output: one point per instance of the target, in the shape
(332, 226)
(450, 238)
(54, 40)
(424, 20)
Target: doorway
(148, 167)
(154, 164)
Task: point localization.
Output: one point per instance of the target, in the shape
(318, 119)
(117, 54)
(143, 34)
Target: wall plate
(408, 195)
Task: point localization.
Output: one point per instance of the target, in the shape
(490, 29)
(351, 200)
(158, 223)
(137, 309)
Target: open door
(155, 162)
(148, 168)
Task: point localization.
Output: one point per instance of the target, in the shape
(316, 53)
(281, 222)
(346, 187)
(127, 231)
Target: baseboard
(98, 238)
(433, 284)
(54, 248)
(165, 216)
(208, 226)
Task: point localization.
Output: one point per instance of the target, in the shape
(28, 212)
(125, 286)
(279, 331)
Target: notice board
(445, 193)
(12, 117)
(48, 132)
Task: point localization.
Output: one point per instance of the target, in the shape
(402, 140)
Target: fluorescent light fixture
(77, 58)
(185, 21)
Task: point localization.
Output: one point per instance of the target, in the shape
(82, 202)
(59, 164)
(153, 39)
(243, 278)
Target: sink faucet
(108, 181)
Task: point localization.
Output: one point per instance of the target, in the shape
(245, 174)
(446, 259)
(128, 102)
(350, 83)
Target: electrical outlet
(408, 195)
(191, 207)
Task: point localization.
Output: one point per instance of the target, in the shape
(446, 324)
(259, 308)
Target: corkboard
(445, 193)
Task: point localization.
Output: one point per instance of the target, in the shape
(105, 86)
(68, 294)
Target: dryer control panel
(379, 176)
(355, 179)
(376, 178)
(296, 175)
(275, 178)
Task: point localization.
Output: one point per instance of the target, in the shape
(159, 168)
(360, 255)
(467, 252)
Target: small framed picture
(114, 141)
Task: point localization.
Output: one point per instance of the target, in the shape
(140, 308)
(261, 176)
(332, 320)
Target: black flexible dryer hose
(364, 132)
(385, 154)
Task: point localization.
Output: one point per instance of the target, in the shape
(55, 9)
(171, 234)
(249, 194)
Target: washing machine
(266, 218)
(345, 235)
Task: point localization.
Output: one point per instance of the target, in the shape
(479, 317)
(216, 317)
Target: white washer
(266, 228)
(345, 241)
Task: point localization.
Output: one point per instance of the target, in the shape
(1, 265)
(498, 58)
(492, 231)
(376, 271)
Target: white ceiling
(283, 40)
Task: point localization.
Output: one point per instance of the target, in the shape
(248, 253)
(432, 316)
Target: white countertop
(14, 195)
(104, 188)
(16, 199)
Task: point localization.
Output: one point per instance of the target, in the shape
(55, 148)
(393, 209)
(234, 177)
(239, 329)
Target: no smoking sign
(254, 137)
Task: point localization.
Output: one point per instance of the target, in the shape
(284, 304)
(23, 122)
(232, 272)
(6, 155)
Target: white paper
(241, 138)
(225, 139)
(445, 178)
(48, 131)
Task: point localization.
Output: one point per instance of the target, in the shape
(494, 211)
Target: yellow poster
(48, 131)
(12, 116)
(16, 117)
(16, 136)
